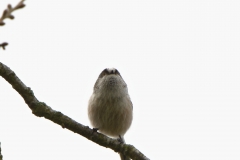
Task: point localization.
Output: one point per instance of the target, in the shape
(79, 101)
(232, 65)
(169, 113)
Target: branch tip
(3, 45)
(9, 6)
(11, 17)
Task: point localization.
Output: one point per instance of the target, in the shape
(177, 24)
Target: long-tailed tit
(110, 109)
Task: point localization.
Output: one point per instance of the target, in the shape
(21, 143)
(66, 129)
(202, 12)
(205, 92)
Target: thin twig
(3, 45)
(7, 13)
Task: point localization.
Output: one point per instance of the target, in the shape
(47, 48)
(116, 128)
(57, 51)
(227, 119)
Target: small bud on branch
(3, 45)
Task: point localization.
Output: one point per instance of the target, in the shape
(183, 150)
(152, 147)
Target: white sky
(180, 59)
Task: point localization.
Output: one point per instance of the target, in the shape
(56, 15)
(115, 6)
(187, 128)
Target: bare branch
(40, 109)
(7, 13)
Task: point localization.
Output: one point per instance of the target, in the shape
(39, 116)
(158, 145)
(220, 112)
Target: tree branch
(7, 13)
(40, 109)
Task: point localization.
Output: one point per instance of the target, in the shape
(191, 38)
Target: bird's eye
(103, 73)
(117, 73)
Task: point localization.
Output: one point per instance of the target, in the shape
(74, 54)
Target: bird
(110, 109)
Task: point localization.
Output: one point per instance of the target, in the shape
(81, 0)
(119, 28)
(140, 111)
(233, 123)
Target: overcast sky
(180, 59)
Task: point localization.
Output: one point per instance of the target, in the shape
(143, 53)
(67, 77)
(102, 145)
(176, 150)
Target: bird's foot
(95, 129)
(120, 139)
